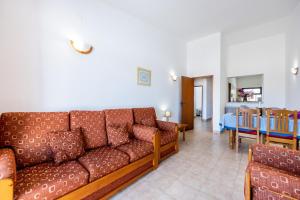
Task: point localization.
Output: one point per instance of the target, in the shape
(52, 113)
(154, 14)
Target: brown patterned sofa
(145, 118)
(40, 160)
(272, 173)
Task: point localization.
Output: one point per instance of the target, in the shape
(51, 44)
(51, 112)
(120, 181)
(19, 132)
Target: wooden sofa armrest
(7, 173)
(7, 189)
(156, 145)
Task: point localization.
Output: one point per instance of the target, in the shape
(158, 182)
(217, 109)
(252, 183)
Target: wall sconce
(81, 47)
(294, 70)
(173, 76)
(167, 115)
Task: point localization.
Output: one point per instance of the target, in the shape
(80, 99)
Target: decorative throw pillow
(117, 135)
(149, 121)
(66, 145)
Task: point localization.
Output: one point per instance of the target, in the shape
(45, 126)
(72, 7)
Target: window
(252, 94)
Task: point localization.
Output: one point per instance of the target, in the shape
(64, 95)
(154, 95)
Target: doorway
(196, 99)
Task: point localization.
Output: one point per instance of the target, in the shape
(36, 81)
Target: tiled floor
(205, 168)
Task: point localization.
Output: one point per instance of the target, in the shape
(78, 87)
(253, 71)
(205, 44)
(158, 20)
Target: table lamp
(167, 115)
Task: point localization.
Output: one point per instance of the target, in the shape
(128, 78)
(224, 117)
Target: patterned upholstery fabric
(277, 157)
(144, 133)
(103, 161)
(119, 117)
(7, 164)
(262, 194)
(166, 126)
(275, 180)
(48, 181)
(137, 149)
(93, 127)
(117, 136)
(167, 137)
(149, 122)
(27, 133)
(66, 145)
(146, 115)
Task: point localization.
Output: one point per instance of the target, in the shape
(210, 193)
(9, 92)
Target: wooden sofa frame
(171, 145)
(6, 185)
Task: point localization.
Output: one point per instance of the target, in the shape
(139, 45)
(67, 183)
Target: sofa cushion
(167, 137)
(263, 193)
(102, 161)
(149, 122)
(49, 181)
(117, 135)
(145, 116)
(66, 145)
(27, 133)
(92, 124)
(136, 149)
(274, 179)
(119, 117)
(277, 157)
(145, 133)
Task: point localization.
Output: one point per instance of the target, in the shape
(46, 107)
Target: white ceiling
(190, 19)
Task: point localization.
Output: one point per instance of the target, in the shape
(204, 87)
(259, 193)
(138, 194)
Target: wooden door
(187, 101)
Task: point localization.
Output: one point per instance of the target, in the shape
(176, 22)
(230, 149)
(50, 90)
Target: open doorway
(196, 100)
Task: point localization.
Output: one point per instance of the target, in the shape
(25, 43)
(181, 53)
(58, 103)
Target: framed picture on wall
(143, 77)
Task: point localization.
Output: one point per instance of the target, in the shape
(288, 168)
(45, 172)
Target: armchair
(272, 173)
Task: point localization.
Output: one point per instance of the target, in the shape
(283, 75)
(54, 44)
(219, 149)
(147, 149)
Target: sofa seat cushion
(136, 149)
(102, 161)
(49, 181)
(274, 179)
(167, 137)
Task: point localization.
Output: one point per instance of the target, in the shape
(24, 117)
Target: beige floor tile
(205, 168)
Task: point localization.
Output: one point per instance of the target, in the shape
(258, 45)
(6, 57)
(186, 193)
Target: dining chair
(247, 125)
(282, 126)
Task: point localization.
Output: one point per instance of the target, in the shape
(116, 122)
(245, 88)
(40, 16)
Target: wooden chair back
(247, 127)
(280, 125)
(248, 115)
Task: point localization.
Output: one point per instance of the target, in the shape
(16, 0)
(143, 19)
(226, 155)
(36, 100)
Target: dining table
(229, 123)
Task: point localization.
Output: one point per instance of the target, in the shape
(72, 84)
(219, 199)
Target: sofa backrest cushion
(145, 115)
(92, 124)
(26, 133)
(120, 117)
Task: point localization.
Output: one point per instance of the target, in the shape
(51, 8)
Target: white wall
(249, 81)
(204, 59)
(40, 72)
(259, 50)
(293, 60)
